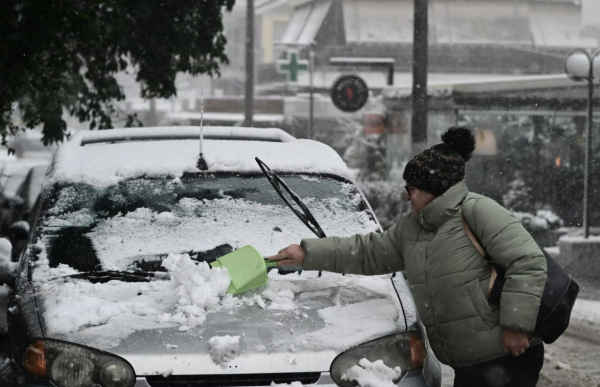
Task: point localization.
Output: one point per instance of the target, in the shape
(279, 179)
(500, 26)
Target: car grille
(231, 380)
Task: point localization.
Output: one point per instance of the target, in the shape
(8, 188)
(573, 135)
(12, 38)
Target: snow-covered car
(30, 189)
(114, 288)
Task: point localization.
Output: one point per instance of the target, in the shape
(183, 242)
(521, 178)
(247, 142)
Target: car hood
(295, 323)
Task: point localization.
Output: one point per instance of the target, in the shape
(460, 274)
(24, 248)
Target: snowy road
(574, 359)
(569, 362)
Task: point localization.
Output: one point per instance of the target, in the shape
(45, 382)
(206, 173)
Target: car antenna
(201, 162)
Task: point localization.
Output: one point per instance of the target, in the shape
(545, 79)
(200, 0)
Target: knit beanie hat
(438, 168)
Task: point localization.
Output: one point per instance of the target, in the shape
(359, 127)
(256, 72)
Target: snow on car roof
(104, 158)
(232, 117)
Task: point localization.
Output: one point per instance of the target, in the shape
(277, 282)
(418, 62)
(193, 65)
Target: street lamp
(582, 65)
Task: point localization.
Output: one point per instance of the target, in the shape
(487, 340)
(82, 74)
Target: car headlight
(67, 364)
(405, 350)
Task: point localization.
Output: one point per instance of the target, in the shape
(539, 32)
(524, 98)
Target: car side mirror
(8, 268)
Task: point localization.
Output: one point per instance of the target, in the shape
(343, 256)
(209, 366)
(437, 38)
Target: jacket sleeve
(370, 254)
(514, 250)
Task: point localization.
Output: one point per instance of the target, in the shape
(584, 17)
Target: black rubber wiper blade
(110, 275)
(305, 216)
(279, 185)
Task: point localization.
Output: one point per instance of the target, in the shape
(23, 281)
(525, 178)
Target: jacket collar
(433, 215)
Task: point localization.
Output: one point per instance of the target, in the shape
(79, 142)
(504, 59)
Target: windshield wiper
(109, 275)
(279, 185)
(305, 216)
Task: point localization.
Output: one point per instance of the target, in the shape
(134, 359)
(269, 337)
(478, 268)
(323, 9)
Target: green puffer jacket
(447, 276)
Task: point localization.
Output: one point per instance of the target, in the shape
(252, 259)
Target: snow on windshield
(144, 218)
(175, 226)
(119, 240)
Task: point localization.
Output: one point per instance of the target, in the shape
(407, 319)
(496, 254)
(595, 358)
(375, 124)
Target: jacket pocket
(488, 313)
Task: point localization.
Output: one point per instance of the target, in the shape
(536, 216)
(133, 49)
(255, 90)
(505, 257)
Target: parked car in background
(30, 189)
(114, 288)
(21, 174)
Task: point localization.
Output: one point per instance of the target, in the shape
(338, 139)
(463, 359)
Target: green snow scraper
(247, 269)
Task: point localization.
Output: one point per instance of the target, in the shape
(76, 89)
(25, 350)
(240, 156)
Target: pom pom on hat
(460, 140)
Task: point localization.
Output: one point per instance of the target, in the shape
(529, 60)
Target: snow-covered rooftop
(445, 84)
(230, 117)
(104, 158)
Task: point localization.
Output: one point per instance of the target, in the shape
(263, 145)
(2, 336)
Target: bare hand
(293, 255)
(514, 342)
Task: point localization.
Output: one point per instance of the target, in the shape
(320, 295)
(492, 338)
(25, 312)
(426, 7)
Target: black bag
(560, 293)
(558, 299)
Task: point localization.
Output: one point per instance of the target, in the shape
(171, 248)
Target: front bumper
(12, 375)
(411, 379)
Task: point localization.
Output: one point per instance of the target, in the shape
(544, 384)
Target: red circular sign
(349, 93)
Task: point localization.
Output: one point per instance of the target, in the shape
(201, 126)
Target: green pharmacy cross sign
(291, 65)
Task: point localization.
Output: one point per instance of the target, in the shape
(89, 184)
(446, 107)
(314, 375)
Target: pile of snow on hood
(281, 294)
(193, 291)
(223, 349)
(200, 290)
(373, 374)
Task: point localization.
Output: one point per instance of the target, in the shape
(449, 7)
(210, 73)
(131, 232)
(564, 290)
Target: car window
(137, 223)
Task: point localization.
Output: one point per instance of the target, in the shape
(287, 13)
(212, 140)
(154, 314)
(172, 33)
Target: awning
(559, 25)
(498, 22)
(388, 21)
(525, 24)
(305, 23)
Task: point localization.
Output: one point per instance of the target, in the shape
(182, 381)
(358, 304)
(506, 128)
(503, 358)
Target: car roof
(103, 158)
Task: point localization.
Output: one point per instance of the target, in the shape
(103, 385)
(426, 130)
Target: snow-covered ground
(571, 361)
(586, 311)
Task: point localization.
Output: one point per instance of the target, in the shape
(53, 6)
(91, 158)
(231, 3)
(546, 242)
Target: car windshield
(136, 224)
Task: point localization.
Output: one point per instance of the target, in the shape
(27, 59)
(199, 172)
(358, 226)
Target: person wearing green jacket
(487, 345)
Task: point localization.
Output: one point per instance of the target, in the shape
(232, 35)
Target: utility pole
(249, 96)
(311, 68)
(419, 91)
(589, 156)
(580, 65)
